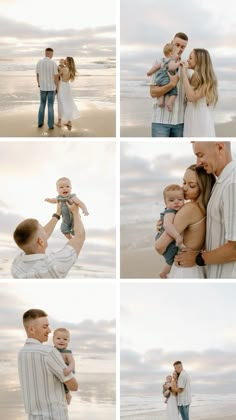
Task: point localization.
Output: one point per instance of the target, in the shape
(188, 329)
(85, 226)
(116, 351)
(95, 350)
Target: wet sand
(94, 122)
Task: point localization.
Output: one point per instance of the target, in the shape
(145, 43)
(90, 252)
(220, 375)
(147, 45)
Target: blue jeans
(167, 130)
(184, 411)
(46, 95)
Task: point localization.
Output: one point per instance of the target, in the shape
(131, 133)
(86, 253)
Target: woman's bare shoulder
(191, 209)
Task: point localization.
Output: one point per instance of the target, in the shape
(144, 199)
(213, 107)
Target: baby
(169, 64)
(61, 339)
(174, 200)
(64, 190)
(171, 381)
(166, 392)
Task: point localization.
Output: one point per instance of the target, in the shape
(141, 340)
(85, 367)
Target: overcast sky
(86, 309)
(74, 29)
(29, 170)
(146, 169)
(162, 323)
(147, 25)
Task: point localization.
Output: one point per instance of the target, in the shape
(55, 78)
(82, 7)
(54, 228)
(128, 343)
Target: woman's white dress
(178, 272)
(172, 408)
(199, 119)
(66, 105)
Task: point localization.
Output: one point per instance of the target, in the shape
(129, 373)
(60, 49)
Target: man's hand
(74, 208)
(159, 225)
(173, 79)
(66, 371)
(186, 258)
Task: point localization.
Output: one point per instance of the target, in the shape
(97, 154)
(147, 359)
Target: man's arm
(50, 226)
(37, 79)
(224, 254)
(157, 91)
(175, 389)
(81, 205)
(72, 384)
(56, 81)
(78, 240)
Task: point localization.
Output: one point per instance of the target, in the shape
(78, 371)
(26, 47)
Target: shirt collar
(32, 341)
(226, 171)
(33, 257)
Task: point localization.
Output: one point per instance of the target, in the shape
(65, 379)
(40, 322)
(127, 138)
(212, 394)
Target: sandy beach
(136, 115)
(227, 129)
(140, 263)
(93, 122)
(155, 415)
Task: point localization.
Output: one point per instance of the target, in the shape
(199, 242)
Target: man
(47, 78)
(183, 390)
(32, 239)
(165, 123)
(220, 254)
(41, 371)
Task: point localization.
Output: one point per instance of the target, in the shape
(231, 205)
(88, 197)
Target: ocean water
(95, 82)
(207, 406)
(95, 398)
(136, 103)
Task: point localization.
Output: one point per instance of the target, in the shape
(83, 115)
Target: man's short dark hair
(177, 363)
(49, 49)
(181, 35)
(33, 314)
(25, 231)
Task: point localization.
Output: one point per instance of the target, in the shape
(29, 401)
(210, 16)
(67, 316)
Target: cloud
(18, 38)
(158, 25)
(211, 371)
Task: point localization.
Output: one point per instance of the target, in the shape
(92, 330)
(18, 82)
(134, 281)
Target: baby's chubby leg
(161, 101)
(170, 102)
(165, 271)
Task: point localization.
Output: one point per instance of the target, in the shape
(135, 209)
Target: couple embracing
(204, 226)
(177, 390)
(55, 79)
(184, 93)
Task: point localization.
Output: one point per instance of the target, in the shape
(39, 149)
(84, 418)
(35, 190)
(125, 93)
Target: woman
(172, 408)
(201, 94)
(66, 105)
(190, 220)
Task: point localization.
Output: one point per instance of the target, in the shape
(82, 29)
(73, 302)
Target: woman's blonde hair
(205, 182)
(72, 69)
(204, 76)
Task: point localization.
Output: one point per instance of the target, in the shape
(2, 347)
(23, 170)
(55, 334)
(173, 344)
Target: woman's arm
(191, 94)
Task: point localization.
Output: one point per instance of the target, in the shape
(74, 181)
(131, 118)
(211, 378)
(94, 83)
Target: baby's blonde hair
(65, 330)
(64, 178)
(172, 187)
(168, 49)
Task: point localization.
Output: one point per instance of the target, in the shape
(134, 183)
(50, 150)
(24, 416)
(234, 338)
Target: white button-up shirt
(162, 115)
(41, 378)
(184, 397)
(46, 69)
(221, 220)
(44, 266)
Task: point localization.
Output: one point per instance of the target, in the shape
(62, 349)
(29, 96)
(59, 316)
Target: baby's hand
(46, 199)
(148, 73)
(179, 240)
(85, 212)
(66, 371)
